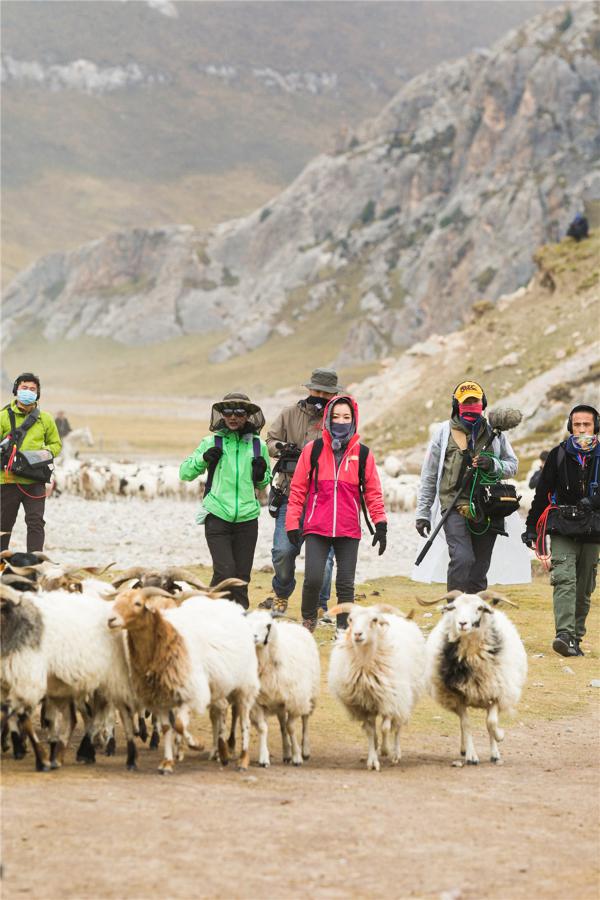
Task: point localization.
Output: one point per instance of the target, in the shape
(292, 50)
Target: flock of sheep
(162, 644)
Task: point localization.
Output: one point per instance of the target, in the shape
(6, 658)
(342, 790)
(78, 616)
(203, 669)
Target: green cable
(484, 478)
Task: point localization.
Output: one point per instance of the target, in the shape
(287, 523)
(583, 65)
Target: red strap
(541, 529)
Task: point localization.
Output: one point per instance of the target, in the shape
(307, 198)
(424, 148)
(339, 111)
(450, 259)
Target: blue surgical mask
(26, 397)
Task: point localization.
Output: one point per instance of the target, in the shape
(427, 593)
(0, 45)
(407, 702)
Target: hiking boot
(280, 605)
(578, 647)
(309, 624)
(326, 620)
(266, 604)
(564, 644)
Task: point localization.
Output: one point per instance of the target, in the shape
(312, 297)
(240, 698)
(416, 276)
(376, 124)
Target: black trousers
(470, 555)
(316, 549)
(232, 546)
(32, 497)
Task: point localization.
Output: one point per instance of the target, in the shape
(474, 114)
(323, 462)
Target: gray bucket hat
(325, 380)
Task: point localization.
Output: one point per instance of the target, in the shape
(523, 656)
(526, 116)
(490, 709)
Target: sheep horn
(9, 578)
(451, 595)
(495, 598)
(342, 608)
(95, 570)
(178, 574)
(8, 593)
(128, 575)
(153, 592)
(392, 610)
(227, 583)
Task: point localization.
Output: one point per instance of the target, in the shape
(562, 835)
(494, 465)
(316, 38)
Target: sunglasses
(234, 412)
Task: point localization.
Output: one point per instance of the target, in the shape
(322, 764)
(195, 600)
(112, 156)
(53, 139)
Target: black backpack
(363, 453)
(219, 444)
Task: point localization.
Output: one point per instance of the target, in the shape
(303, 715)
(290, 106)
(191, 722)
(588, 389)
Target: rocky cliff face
(437, 202)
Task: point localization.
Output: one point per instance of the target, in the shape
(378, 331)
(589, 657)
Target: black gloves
(486, 463)
(259, 467)
(423, 527)
(294, 538)
(212, 455)
(529, 538)
(380, 537)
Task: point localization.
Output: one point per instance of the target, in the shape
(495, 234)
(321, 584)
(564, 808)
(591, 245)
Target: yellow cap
(468, 389)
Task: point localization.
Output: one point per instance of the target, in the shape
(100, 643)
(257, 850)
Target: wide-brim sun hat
(236, 400)
(325, 380)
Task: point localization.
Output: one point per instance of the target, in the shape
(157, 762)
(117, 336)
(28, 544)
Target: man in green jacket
(237, 463)
(16, 490)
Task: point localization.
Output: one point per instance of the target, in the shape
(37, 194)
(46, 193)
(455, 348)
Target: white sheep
(197, 655)
(377, 669)
(289, 672)
(68, 655)
(475, 658)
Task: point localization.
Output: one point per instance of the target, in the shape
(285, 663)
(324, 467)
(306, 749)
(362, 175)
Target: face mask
(584, 442)
(318, 402)
(341, 429)
(469, 413)
(26, 397)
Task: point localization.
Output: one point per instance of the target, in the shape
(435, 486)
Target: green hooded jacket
(232, 495)
(43, 435)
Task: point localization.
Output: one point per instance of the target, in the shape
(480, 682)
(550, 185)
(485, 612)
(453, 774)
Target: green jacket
(232, 496)
(43, 435)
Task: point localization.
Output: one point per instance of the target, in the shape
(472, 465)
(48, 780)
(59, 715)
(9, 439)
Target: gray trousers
(470, 555)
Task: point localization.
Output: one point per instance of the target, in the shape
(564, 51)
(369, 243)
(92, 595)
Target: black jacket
(562, 475)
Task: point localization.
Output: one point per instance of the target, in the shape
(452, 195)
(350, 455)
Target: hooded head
(340, 420)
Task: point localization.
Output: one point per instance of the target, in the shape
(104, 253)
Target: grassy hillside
(199, 148)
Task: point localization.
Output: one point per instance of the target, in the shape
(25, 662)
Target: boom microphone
(504, 419)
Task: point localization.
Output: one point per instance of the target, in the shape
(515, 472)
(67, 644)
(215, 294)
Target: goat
(475, 658)
(289, 673)
(377, 669)
(197, 655)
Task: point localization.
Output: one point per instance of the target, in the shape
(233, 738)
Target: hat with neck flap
(237, 400)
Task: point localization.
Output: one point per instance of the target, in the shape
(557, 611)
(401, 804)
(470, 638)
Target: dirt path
(424, 829)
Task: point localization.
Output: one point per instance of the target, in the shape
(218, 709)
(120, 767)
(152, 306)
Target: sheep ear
(486, 609)
(448, 607)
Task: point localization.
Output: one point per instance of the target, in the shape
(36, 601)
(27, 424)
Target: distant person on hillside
(579, 228)
(571, 477)
(293, 428)
(456, 444)
(62, 423)
(236, 461)
(334, 476)
(533, 481)
(24, 427)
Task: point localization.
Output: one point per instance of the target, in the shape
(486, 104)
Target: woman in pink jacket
(324, 506)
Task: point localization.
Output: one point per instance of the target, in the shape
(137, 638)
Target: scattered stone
(454, 894)
(595, 682)
(567, 670)
(538, 655)
(250, 779)
(538, 684)
(560, 353)
(511, 359)
(550, 330)
(457, 763)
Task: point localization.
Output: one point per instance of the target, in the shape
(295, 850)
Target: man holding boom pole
(466, 455)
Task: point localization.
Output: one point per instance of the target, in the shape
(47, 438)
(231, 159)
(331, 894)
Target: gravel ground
(161, 532)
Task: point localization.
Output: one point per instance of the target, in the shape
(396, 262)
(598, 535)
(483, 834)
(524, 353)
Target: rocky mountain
(437, 202)
(120, 113)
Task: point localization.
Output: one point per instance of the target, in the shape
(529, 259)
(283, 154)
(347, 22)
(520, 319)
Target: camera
(289, 454)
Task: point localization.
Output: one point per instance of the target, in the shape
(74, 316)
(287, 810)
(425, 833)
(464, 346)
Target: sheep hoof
(305, 756)
(264, 765)
(131, 767)
(472, 762)
(43, 767)
(165, 771)
(110, 747)
(287, 760)
(297, 762)
(154, 741)
(463, 752)
(496, 760)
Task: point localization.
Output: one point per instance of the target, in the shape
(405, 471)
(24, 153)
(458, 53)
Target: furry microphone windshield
(504, 419)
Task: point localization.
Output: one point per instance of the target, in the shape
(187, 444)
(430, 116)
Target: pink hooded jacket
(333, 510)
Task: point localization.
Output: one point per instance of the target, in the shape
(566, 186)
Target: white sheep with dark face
(475, 658)
(377, 669)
